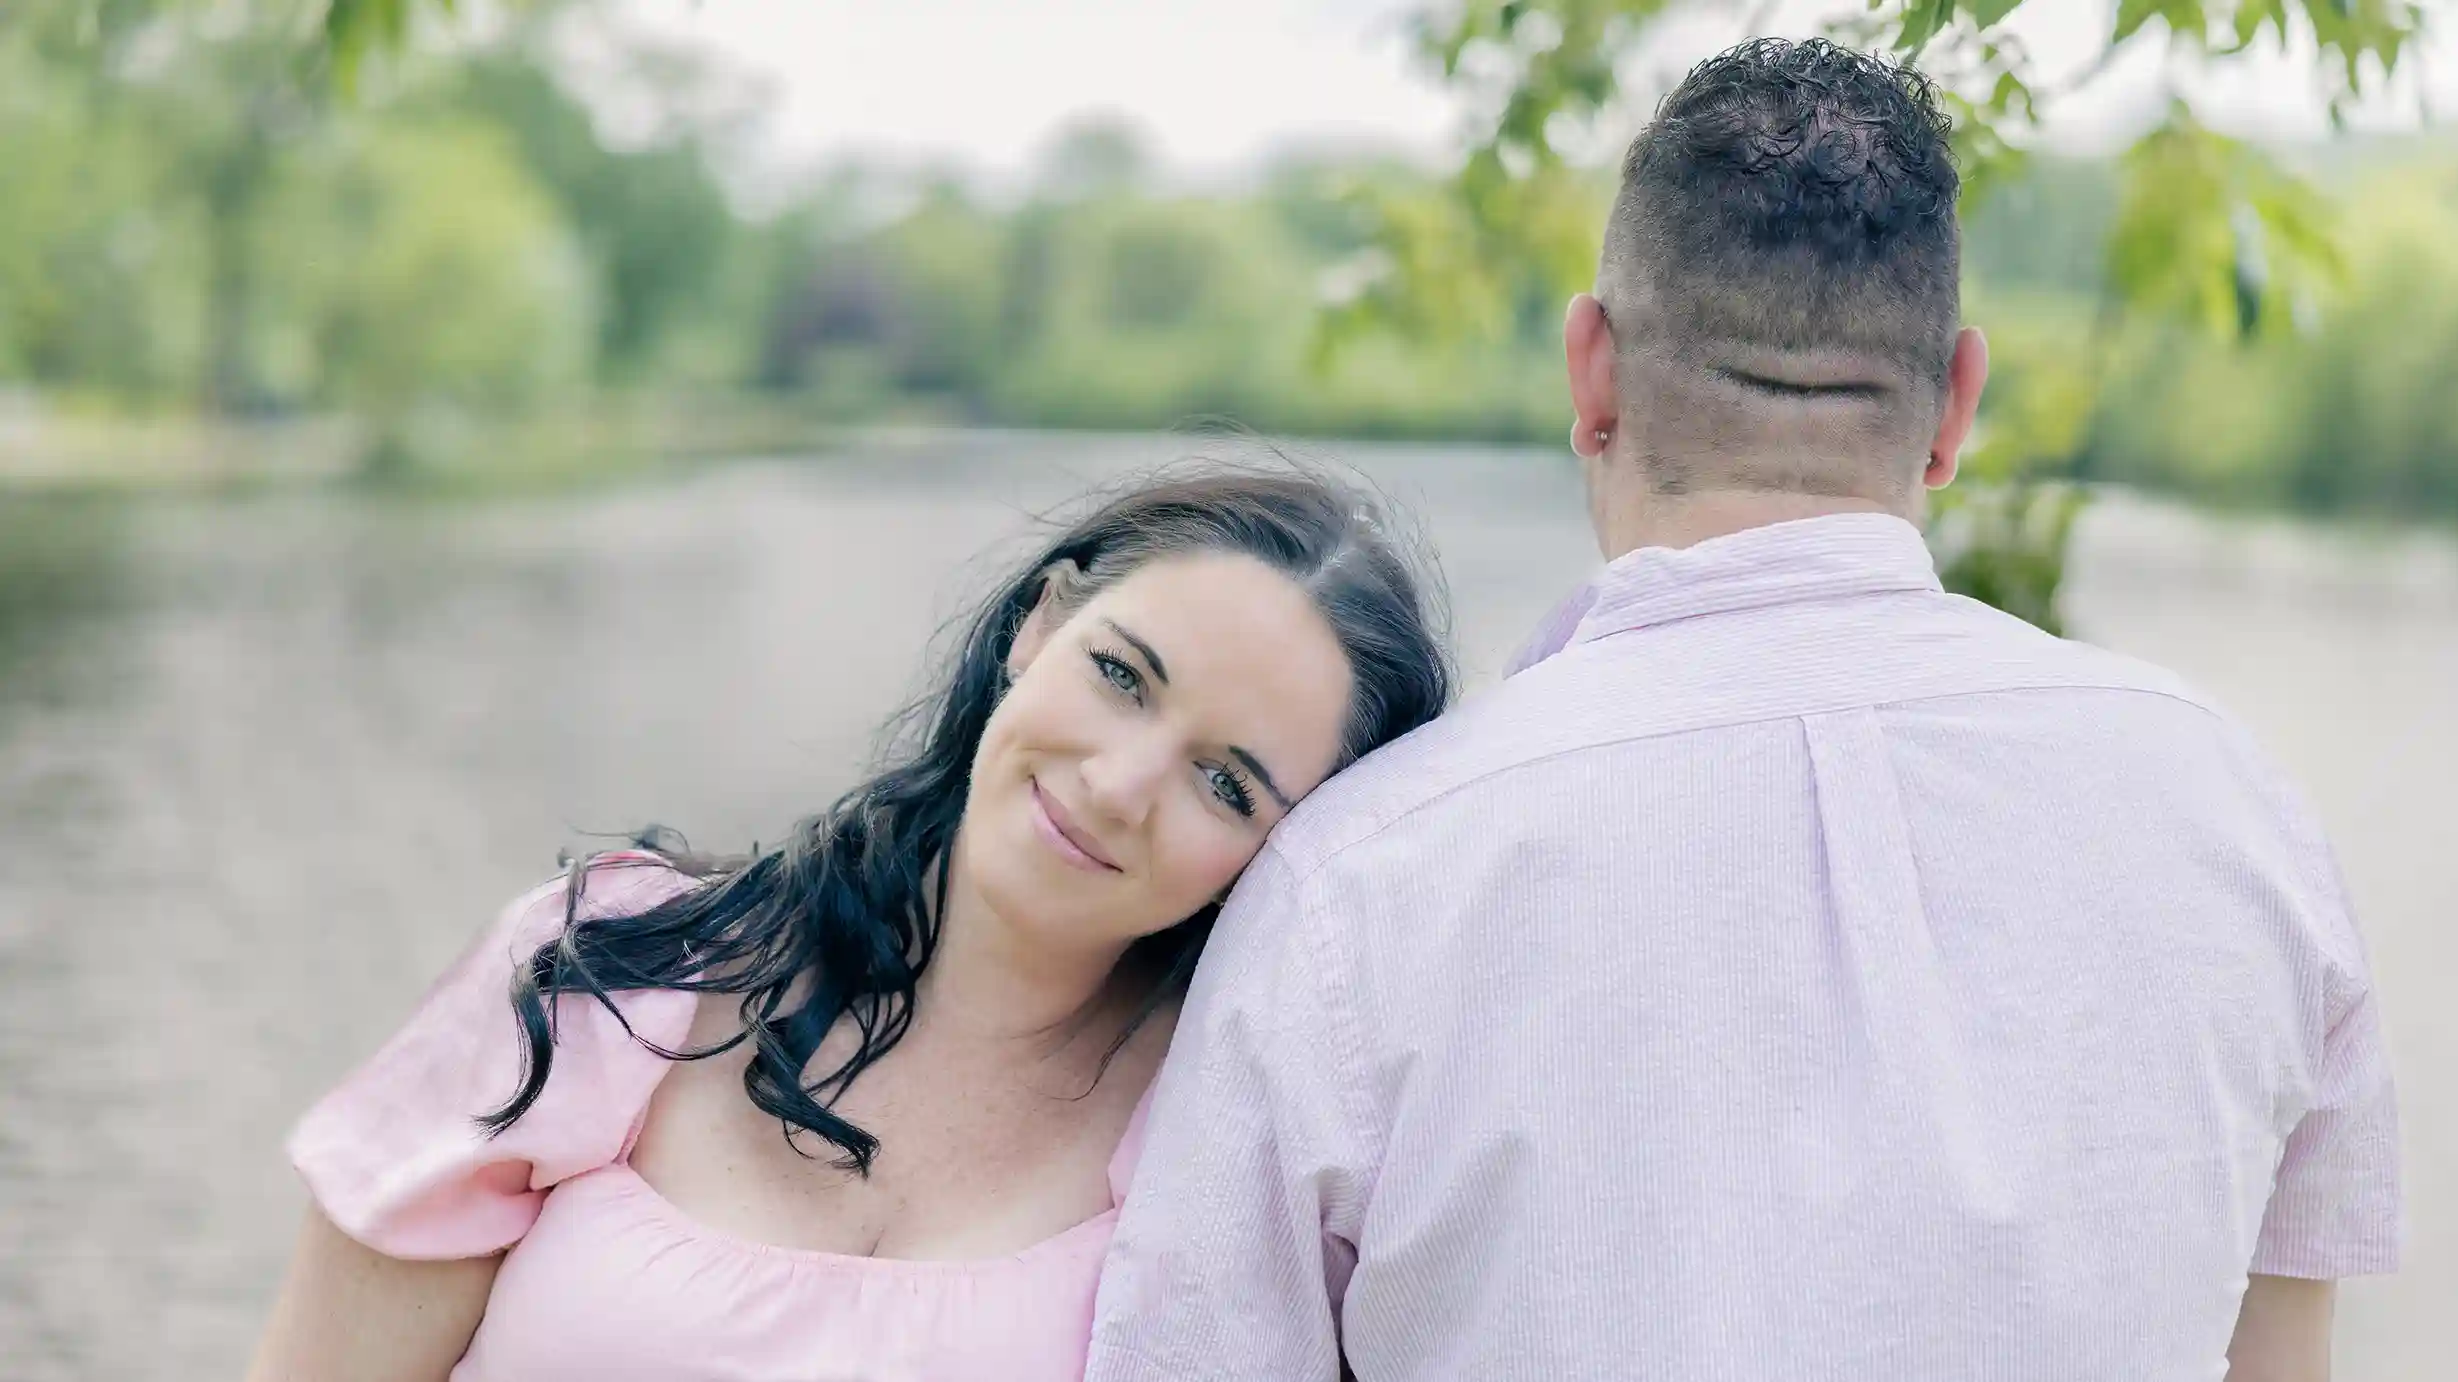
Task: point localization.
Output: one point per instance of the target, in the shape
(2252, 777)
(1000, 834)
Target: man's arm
(2335, 1208)
(1232, 1252)
(2282, 1331)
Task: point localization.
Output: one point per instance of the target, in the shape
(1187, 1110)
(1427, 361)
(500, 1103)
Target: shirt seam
(1303, 875)
(1344, 1028)
(1798, 599)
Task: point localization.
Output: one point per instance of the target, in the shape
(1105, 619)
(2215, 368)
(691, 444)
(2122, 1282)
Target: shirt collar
(1825, 558)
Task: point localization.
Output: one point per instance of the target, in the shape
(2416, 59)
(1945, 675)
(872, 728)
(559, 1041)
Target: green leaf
(2009, 92)
(2211, 231)
(353, 29)
(2131, 16)
(2250, 273)
(2186, 20)
(2254, 15)
(1921, 22)
(1988, 13)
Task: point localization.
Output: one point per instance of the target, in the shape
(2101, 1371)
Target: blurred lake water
(268, 761)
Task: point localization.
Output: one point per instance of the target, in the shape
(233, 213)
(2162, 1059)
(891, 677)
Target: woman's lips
(1063, 835)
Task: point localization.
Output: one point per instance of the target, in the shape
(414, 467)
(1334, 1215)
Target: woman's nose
(1124, 778)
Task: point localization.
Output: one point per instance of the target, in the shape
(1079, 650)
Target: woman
(948, 994)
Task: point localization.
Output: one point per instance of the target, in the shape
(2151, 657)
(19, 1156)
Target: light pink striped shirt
(1803, 974)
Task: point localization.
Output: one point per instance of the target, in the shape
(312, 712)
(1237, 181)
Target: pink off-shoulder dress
(605, 1279)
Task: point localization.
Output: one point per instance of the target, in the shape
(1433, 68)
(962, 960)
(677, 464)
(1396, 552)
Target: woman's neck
(987, 981)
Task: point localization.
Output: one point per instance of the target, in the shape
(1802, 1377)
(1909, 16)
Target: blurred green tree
(1153, 310)
(653, 218)
(96, 255)
(908, 311)
(2356, 415)
(609, 266)
(1101, 155)
(444, 306)
(221, 92)
(195, 212)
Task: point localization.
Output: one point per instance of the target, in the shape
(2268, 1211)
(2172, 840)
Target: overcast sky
(1217, 84)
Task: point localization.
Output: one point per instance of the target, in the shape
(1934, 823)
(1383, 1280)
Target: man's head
(1777, 308)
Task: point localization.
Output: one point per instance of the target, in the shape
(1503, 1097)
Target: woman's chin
(1026, 883)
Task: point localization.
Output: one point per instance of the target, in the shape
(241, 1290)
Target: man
(1803, 973)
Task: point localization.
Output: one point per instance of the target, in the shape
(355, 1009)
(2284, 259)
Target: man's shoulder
(1505, 727)
(1603, 694)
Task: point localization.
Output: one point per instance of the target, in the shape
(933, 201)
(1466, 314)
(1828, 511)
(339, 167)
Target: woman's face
(1152, 738)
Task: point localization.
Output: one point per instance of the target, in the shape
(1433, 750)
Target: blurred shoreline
(579, 443)
(599, 440)
(617, 441)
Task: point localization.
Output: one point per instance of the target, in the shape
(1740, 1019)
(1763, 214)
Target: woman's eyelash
(1239, 797)
(1119, 673)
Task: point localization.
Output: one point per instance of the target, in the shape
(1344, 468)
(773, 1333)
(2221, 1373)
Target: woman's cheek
(1209, 860)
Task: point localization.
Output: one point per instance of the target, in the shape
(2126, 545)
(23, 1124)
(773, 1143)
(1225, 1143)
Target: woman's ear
(1060, 581)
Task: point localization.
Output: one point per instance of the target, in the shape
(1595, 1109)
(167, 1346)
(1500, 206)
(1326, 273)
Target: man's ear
(1966, 375)
(1587, 351)
(1060, 581)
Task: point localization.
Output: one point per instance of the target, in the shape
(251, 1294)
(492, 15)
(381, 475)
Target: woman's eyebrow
(1262, 775)
(1160, 669)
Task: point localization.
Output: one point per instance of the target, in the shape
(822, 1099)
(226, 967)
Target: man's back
(1804, 974)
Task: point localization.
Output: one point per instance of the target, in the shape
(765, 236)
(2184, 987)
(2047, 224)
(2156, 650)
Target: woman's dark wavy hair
(850, 904)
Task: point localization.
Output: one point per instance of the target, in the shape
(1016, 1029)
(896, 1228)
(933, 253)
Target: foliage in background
(1100, 301)
(2358, 414)
(479, 302)
(457, 256)
(2210, 231)
(458, 242)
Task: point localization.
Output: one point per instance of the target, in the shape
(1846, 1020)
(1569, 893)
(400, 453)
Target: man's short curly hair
(1792, 197)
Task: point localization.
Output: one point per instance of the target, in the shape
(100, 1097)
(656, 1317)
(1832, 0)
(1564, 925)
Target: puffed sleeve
(394, 1155)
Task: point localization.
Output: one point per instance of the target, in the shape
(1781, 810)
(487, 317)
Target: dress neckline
(632, 1185)
(1121, 1172)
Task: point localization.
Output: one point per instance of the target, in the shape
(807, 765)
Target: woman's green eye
(1118, 674)
(1231, 791)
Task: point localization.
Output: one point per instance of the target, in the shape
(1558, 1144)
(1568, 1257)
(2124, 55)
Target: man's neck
(1658, 520)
